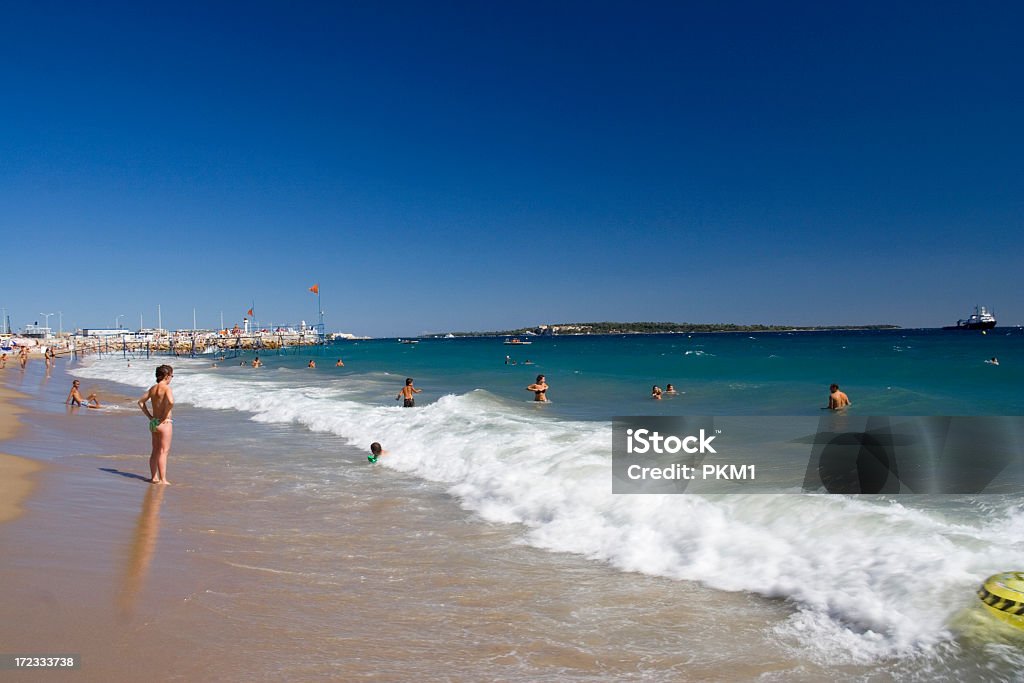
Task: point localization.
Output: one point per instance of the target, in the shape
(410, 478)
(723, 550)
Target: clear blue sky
(465, 166)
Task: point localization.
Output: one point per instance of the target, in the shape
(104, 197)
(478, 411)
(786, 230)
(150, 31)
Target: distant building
(36, 331)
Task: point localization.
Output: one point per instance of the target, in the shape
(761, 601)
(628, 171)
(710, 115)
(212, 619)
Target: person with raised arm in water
(407, 393)
(160, 422)
(539, 389)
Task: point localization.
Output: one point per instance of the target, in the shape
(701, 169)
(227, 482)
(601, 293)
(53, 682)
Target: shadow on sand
(129, 475)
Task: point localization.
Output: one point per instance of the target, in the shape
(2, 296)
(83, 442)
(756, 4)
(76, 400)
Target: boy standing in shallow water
(160, 422)
(407, 393)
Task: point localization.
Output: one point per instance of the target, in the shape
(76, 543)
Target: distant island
(660, 328)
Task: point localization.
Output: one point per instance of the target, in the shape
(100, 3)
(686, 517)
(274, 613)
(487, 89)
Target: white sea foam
(867, 578)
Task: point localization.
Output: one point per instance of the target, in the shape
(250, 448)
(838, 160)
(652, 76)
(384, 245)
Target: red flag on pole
(315, 288)
(249, 313)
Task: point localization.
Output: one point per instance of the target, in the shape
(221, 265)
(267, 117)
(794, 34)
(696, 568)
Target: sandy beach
(57, 532)
(280, 553)
(16, 474)
(200, 581)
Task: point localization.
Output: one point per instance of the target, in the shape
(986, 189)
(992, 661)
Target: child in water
(375, 451)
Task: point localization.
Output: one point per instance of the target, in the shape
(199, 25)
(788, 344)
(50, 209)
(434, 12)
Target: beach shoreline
(17, 474)
(281, 553)
(204, 581)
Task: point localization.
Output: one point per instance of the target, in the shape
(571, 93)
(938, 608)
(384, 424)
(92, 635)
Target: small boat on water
(981, 319)
(408, 341)
(516, 341)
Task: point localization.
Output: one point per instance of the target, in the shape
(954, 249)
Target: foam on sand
(867, 578)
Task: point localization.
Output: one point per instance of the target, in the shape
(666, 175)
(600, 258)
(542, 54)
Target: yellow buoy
(1003, 596)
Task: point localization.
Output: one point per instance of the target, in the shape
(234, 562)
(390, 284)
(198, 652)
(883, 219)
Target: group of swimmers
(657, 393)
(836, 400)
(312, 364)
(257, 363)
(162, 400)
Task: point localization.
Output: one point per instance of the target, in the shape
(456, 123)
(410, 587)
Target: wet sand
(16, 474)
(209, 580)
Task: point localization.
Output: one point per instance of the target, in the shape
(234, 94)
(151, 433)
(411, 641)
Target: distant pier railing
(188, 344)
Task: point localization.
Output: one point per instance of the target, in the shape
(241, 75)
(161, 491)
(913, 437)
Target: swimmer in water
(670, 390)
(375, 451)
(656, 392)
(407, 393)
(993, 361)
(837, 399)
(539, 389)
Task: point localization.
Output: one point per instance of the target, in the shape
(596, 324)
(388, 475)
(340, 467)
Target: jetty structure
(200, 342)
(219, 343)
(150, 341)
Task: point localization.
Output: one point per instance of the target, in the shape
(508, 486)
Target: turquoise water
(905, 372)
(867, 581)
